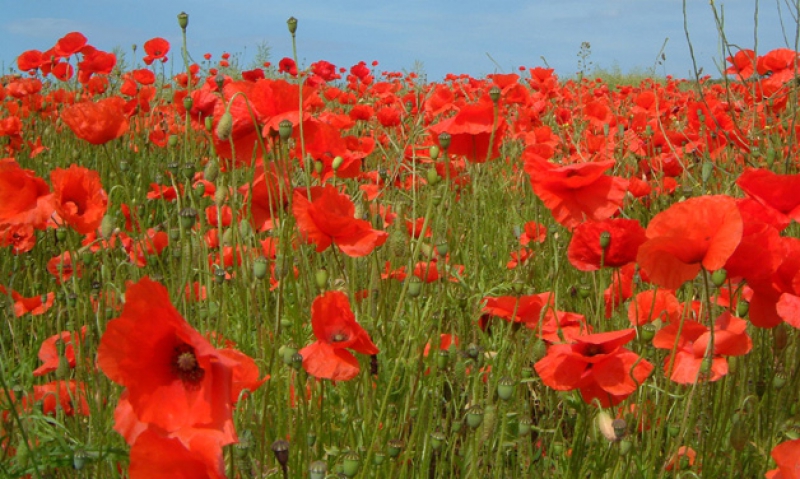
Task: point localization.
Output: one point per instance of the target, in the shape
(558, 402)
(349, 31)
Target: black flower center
(186, 367)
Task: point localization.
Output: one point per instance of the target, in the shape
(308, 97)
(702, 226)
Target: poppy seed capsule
(188, 102)
(505, 388)
(337, 162)
(350, 464)
(208, 122)
(292, 24)
(225, 126)
(183, 20)
(494, 93)
(285, 129)
(475, 416)
(444, 140)
(321, 278)
(433, 152)
(187, 216)
(317, 470)
(605, 239)
(281, 450)
(437, 439)
(394, 446)
(260, 267)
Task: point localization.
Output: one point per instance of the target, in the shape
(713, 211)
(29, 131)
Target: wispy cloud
(42, 27)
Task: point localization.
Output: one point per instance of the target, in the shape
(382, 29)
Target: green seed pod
(208, 122)
(172, 141)
(394, 447)
(281, 450)
(287, 353)
(337, 162)
(200, 189)
(648, 332)
(350, 464)
(317, 470)
(378, 458)
(442, 358)
(444, 140)
(292, 24)
(494, 93)
(188, 170)
(437, 439)
(625, 447)
(188, 102)
(539, 350)
(188, 216)
(311, 439)
(183, 20)
(605, 239)
(61, 234)
(475, 416)
(505, 388)
(432, 176)
(524, 426)
(285, 129)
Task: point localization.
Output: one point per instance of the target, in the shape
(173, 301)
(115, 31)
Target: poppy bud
(444, 140)
(605, 425)
(107, 226)
(625, 447)
(321, 278)
(350, 464)
(433, 152)
(442, 359)
(706, 171)
(539, 350)
(718, 277)
(337, 162)
(86, 257)
(318, 167)
(285, 129)
(432, 176)
(475, 416)
(211, 170)
(183, 20)
(187, 216)
(292, 24)
(61, 234)
(494, 93)
(260, 267)
(188, 102)
(394, 446)
(558, 448)
(414, 287)
(208, 123)
(317, 469)
(287, 353)
(220, 196)
(225, 126)
(605, 239)
(505, 388)
(742, 308)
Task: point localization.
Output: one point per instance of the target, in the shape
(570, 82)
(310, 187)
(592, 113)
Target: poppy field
(338, 271)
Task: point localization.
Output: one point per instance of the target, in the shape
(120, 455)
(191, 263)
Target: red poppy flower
(97, 122)
(70, 44)
(470, 131)
(62, 267)
(336, 330)
(35, 305)
(329, 218)
(532, 231)
(156, 49)
(577, 192)
(691, 341)
(49, 355)
(79, 198)
(598, 365)
(787, 458)
(700, 232)
(780, 192)
(174, 377)
(515, 309)
(624, 237)
(155, 456)
(287, 65)
(654, 304)
(29, 61)
(70, 396)
(24, 198)
(743, 64)
(620, 289)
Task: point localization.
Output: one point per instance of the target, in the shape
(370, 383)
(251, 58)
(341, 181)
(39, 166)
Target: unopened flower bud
(433, 152)
(107, 226)
(718, 277)
(211, 171)
(337, 162)
(225, 126)
(321, 278)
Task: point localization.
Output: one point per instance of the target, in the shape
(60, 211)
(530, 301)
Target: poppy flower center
(185, 365)
(593, 350)
(338, 337)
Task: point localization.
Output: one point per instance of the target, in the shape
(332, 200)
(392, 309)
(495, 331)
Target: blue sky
(446, 36)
